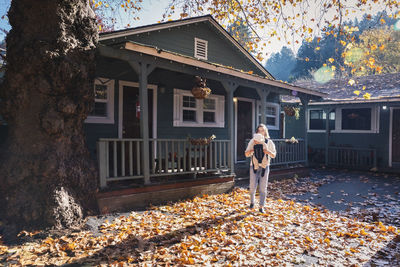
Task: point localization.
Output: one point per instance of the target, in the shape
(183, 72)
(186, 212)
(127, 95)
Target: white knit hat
(259, 138)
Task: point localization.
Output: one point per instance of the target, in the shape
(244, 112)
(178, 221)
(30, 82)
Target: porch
(122, 159)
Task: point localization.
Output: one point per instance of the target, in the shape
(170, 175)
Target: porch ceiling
(177, 62)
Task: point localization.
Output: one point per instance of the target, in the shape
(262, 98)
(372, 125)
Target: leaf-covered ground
(222, 230)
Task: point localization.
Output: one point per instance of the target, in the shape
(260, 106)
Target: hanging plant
(200, 89)
(292, 111)
(201, 141)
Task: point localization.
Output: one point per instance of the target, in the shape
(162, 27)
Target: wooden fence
(121, 159)
(351, 157)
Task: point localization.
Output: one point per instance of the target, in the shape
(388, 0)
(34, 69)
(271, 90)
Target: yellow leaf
(357, 92)
(373, 47)
(367, 96)
(382, 47)
(307, 59)
(331, 60)
(343, 43)
(364, 87)
(333, 68)
(351, 82)
(317, 48)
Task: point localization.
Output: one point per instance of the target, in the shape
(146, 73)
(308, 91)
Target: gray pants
(255, 178)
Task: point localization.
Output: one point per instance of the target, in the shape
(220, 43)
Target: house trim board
(148, 50)
(121, 102)
(391, 134)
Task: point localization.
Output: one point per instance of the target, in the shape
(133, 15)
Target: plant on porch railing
(201, 141)
(292, 111)
(292, 140)
(200, 89)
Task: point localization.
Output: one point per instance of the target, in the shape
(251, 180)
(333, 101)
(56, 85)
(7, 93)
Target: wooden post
(101, 155)
(230, 88)
(143, 70)
(263, 94)
(304, 101)
(327, 111)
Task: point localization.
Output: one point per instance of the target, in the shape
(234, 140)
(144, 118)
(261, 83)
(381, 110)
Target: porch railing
(288, 153)
(121, 159)
(352, 157)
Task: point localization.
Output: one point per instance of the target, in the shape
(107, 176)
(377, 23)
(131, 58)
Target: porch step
(140, 198)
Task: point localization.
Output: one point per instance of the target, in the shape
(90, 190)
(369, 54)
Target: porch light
(235, 99)
(384, 107)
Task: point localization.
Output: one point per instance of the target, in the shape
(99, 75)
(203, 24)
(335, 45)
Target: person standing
(261, 152)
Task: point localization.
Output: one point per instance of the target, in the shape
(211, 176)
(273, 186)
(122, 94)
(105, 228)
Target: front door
(396, 136)
(244, 127)
(131, 118)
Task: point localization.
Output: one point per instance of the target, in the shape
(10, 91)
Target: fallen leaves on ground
(215, 230)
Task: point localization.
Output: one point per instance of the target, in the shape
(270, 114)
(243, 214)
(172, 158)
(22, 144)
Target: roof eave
(148, 50)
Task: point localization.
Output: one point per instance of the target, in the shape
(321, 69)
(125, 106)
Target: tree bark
(47, 178)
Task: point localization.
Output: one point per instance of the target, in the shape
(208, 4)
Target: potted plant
(201, 141)
(200, 89)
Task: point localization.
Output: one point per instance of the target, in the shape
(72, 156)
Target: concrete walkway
(365, 195)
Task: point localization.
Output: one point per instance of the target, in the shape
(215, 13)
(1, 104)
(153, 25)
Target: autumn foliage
(213, 230)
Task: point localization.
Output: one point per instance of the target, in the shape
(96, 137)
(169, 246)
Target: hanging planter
(201, 141)
(292, 111)
(200, 89)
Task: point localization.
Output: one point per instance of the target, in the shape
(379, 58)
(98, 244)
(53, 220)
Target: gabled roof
(379, 86)
(383, 87)
(191, 61)
(177, 23)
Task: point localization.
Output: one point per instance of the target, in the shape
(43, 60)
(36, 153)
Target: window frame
(324, 130)
(109, 119)
(277, 116)
(375, 114)
(178, 111)
(196, 55)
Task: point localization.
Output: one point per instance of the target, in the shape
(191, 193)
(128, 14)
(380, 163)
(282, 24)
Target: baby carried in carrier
(259, 158)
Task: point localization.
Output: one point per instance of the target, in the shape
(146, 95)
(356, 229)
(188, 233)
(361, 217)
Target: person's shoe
(261, 210)
(251, 205)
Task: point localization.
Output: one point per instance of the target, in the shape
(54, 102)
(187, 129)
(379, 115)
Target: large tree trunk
(46, 176)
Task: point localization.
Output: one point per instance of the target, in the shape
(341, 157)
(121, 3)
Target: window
(271, 115)
(189, 108)
(345, 120)
(358, 120)
(192, 112)
(317, 120)
(103, 109)
(200, 48)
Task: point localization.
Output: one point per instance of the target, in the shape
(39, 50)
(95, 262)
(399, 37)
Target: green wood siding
(379, 141)
(181, 40)
(120, 70)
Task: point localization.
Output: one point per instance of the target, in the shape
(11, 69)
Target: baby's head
(258, 138)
